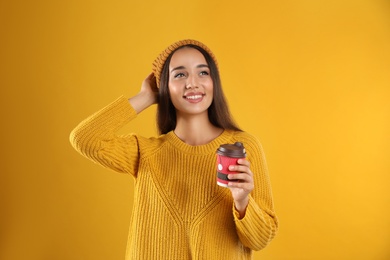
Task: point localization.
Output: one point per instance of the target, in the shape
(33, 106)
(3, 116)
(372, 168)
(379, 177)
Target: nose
(192, 82)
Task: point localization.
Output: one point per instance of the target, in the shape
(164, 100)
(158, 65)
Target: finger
(239, 168)
(242, 177)
(248, 187)
(243, 162)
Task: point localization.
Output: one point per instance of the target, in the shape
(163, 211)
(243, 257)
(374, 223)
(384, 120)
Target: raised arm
(96, 137)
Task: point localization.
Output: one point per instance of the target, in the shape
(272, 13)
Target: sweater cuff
(122, 108)
(256, 229)
(237, 215)
(115, 115)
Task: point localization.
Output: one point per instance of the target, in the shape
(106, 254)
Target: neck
(196, 130)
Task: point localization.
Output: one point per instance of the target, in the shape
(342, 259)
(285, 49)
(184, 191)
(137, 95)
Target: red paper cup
(228, 154)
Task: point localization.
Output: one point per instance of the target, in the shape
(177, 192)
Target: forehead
(187, 56)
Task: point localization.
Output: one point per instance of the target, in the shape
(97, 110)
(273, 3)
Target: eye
(204, 73)
(179, 75)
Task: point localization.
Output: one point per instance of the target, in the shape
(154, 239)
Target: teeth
(194, 97)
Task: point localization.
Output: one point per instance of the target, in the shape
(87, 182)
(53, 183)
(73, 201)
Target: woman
(179, 211)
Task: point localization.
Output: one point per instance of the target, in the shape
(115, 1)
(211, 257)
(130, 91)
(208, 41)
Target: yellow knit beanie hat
(159, 62)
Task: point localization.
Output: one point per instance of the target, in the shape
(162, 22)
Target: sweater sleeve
(259, 225)
(96, 138)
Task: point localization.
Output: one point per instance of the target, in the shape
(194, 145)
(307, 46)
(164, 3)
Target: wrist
(141, 101)
(241, 206)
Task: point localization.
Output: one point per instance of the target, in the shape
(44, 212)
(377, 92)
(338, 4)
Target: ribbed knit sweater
(179, 210)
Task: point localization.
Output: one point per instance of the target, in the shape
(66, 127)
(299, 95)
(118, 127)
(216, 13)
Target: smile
(193, 97)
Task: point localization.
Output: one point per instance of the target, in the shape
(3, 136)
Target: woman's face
(190, 84)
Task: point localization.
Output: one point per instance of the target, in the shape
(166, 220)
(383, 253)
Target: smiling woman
(190, 85)
(218, 111)
(180, 212)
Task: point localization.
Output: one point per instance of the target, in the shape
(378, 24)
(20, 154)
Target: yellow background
(310, 78)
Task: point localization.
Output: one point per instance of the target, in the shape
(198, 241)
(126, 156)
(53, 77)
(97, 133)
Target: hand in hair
(147, 96)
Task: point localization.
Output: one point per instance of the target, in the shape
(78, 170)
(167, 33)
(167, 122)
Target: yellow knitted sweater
(179, 211)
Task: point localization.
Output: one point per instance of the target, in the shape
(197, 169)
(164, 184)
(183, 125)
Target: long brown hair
(218, 111)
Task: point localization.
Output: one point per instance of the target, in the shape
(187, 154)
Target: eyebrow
(182, 67)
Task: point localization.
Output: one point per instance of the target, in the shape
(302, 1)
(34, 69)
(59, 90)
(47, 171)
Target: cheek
(209, 86)
(174, 93)
(173, 89)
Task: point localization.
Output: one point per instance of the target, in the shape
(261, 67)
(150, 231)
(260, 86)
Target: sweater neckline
(210, 147)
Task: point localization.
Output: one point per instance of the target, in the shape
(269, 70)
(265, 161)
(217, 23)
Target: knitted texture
(179, 211)
(159, 62)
